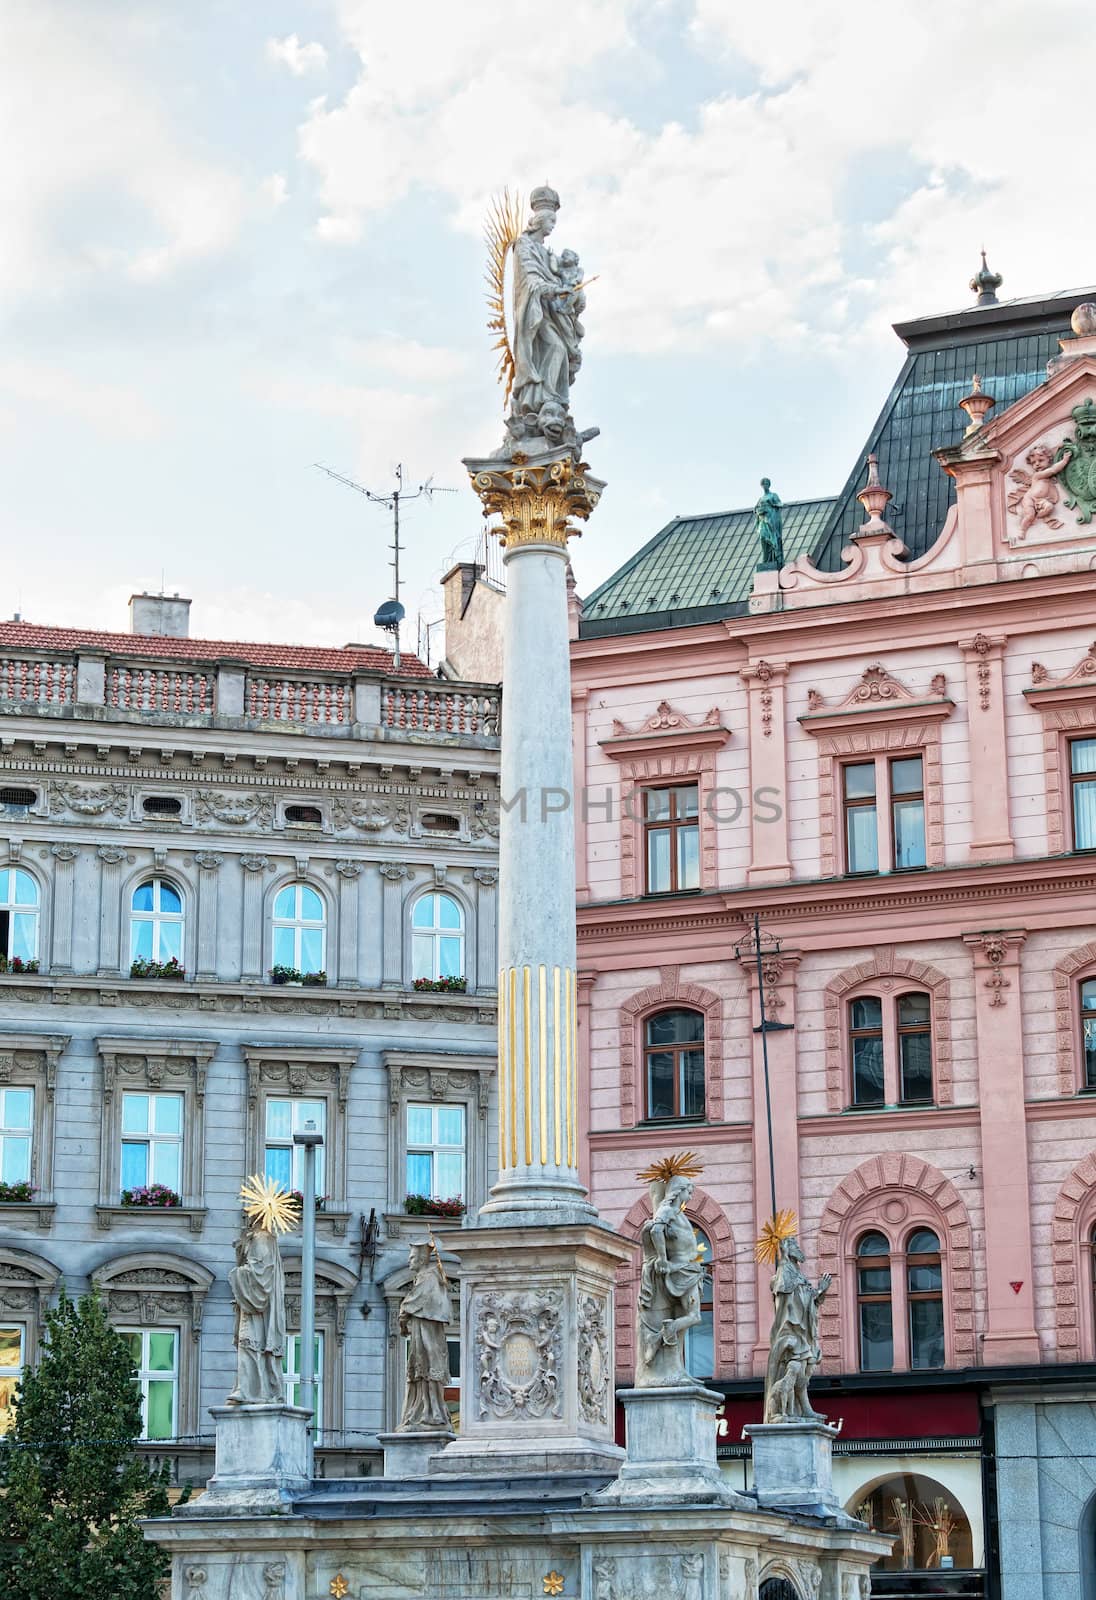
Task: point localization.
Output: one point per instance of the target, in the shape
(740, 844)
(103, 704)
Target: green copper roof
(702, 567)
(696, 564)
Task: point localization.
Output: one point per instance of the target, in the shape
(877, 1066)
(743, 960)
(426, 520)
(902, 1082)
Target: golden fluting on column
(542, 1040)
(512, 1096)
(557, 1084)
(528, 1065)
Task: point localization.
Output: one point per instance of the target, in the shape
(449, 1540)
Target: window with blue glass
(437, 938)
(869, 792)
(674, 1058)
(152, 1140)
(300, 929)
(700, 1340)
(1082, 783)
(436, 1151)
(284, 1160)
(873, 1298)
(907, 790)
(18, 915)
(925, 1298)
(1088, 1030)
(291, 1367)
(16, 1134)
(156, 924)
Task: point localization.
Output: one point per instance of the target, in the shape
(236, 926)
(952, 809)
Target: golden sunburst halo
(267, 1203)
(773, 1234)
(682, 1164)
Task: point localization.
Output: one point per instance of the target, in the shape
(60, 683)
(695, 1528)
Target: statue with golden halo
(258, 1289)
(539, 342)
(671, 1278)
(794, 1350)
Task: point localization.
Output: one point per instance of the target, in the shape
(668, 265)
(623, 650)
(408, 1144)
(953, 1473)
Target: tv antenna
(389, 616)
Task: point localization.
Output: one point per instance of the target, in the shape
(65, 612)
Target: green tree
(74, 1486)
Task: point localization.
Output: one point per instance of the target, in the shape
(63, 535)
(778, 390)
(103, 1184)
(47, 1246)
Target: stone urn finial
(1083, 320)
(874, 498)
(976, 404)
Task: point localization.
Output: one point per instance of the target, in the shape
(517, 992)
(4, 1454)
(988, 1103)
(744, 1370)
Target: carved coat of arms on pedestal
(518, 1352)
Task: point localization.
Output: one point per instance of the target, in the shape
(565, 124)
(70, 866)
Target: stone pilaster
(253, 868)
(349, 889)
(64, 874)
(991, 831)
(111, 859)
(1006, 1181)
(769, 859)
(209, 865)
(393, 873)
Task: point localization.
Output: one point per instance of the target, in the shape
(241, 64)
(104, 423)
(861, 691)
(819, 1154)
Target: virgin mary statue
(546, 332)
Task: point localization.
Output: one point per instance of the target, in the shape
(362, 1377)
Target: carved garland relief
(518, 1345)
(594, 1365)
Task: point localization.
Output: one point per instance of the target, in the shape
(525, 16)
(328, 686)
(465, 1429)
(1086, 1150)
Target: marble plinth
(671, 1438)
(793, 1465)
(537, 1351)
(262, 1461)
(407, 1455)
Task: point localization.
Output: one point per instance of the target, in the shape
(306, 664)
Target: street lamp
(310, 1139)
(758, 945)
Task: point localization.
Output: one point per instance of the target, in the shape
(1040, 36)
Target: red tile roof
(292, 657)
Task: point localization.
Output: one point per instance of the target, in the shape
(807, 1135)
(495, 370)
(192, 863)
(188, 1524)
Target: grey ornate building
(223, 868)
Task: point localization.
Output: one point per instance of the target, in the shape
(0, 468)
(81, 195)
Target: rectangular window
(291, 1366)
(671, 830)
(1082, 780)
(861, 818)
(284, 1160)
(866, 1049)
(155, 1354)
(1088, 1030)
(16, 1133)
(907, 783)
(12, 1339)
(435, 1151)
(152, 1140)
(915, 1049)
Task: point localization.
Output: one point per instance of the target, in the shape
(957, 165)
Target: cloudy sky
(237, 238)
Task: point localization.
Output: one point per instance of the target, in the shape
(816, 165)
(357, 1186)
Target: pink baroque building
(885, 748)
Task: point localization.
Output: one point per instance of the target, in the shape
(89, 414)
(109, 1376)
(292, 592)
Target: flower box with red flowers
(431, 1205)
(441, 985)
(151, 1194)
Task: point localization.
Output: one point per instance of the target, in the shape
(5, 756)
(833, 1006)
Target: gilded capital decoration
(535, 503)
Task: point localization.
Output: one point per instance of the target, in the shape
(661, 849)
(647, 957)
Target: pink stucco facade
(978, 658)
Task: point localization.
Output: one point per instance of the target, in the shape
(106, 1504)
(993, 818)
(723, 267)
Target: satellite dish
(389, 616)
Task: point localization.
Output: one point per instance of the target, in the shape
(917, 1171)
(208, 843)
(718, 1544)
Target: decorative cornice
(666, 728)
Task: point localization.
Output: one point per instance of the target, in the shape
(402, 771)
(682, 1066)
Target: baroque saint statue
(258, 1289)
(670, 1280)
(794, 1351)
(424, 1315)
(770, 526)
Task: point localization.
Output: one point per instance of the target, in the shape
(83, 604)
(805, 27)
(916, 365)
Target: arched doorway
(929, 1527)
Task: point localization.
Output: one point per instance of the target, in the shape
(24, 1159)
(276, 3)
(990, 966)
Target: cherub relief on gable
(1056, 476)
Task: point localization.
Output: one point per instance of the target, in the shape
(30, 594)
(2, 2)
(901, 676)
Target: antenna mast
(391, 614)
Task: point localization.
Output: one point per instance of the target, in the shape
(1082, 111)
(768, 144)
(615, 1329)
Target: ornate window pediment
(1067, 706)
(666, 729)
(158, 1068)
(301, 1073)
(879, 698)
(440, 1079)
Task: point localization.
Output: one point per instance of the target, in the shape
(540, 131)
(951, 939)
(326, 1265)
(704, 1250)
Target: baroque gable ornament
(1050, 477)
(84, 801)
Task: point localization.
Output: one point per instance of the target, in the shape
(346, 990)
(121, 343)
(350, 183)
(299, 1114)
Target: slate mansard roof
(701, 568)
(286, 657)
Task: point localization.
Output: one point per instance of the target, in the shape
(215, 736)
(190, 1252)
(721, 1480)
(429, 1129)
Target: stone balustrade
(299, 700)
(440, 708)
(34, 681)
(159, 689)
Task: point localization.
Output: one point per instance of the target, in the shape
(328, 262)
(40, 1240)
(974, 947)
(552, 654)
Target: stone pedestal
(793, 1465)
(671, 1435)
(407, 1455)
(262, 1461)
(765, 594)
(537, 1351)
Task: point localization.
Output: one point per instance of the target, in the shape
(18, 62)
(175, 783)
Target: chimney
(167, 616)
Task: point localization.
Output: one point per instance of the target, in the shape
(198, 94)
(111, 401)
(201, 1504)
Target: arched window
(873, 1294)
(700, 1341)
(929, 1527)
(18, 916)
(300, 929)
(1088, 1030)
(914, 1049)
(437, 938)
(925, 1299)
(156, 924)
(866, 1051)
(674, 1052)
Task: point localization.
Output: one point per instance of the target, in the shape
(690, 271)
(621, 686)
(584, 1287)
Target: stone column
(349, 874)
(251, 964)
(779, 970)
(990, 831)
(110, 910)
(209, 866)
(1010, 1335)
(64, 871)
(769, 859)
(393, 873)
(538, 1103)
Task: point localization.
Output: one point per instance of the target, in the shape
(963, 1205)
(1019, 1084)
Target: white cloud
(275, 189)
(410, 360)
(725, 228)
(95, 177)
(113, 409)
(299, 58)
